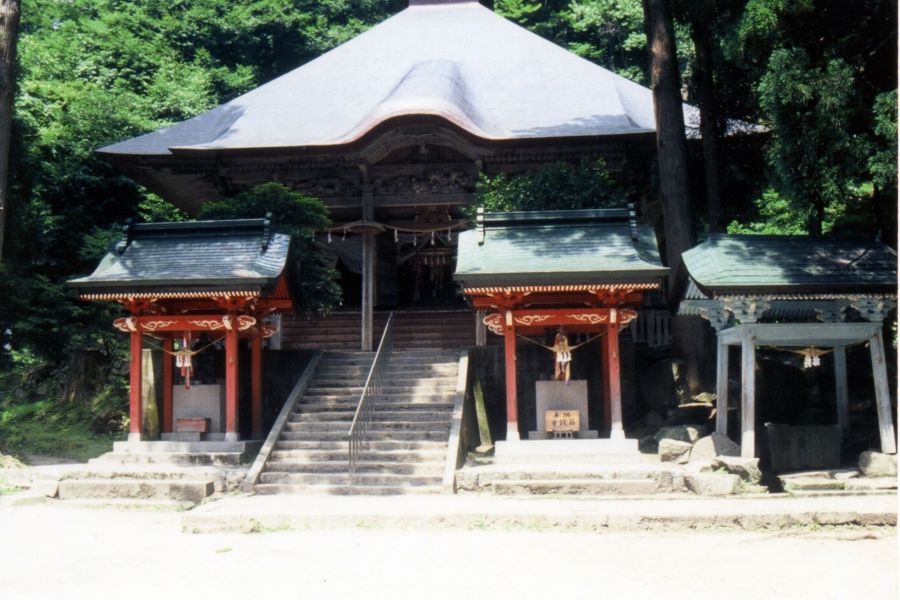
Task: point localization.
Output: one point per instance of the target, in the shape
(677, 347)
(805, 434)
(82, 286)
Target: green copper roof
(558, 247)
(739, 264)
(193, 255)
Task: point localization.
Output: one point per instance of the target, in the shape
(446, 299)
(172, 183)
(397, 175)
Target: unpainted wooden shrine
(392, 129)
(190, 285)
(530, 273)
(813, 296)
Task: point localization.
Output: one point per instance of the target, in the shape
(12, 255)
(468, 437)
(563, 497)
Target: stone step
(345, 490)
(379, 445)
(431, 469)
(378, 436)
(380, 416)
(613, 473)
(423, 398)
(397, 456)
(389, 382)
(397, 362)
(811, 484)
(378, 426)
(141, 473)
(187, 490)
(431, 369)
(387, 389)
(151, 505)
(326, 407)
(593, 487)
(361, 479)
(170, 458)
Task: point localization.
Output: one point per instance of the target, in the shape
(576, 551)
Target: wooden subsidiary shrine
(530, 273)
(815, 296)
(183, 281)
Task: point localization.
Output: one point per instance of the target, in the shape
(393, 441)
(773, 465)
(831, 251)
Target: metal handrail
(370, 396)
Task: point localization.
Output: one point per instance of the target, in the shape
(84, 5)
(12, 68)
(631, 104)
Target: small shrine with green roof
(811, 296)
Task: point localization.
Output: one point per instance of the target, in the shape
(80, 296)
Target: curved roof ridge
(457, 60)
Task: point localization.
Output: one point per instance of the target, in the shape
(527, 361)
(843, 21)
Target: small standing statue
(562, 353)
(563, 356)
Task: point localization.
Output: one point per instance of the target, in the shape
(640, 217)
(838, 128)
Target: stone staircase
(448, 328)
(409, 436)
(156, 475)
(613, 480)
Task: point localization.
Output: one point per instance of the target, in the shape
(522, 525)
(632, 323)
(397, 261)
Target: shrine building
(569, 271)
(190, 289)
(391, 131)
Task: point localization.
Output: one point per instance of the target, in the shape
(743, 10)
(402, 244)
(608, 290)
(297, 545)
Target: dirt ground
(65, 553)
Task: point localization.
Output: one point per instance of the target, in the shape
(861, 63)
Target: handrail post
(370, 397)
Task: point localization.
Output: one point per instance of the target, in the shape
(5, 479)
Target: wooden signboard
(561, 421)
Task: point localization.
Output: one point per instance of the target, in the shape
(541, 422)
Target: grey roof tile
(559, 247)
(191, 255)
(747, 263)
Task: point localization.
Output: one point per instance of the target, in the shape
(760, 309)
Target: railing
(652, 327)
(371, 395)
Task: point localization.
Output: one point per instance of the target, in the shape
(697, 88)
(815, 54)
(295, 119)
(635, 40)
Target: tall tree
(700, 16)
(9, 33)
(671, 145)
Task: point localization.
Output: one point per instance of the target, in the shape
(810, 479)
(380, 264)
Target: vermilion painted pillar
(167, 380)
(512, 407)
(616, 432)
(256, 385)
(604, 384)
(135, 414)
(231, 383)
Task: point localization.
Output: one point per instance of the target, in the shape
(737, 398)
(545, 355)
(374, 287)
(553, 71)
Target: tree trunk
(706, 99)
(670, 141)
(687, 334)
(9, 30)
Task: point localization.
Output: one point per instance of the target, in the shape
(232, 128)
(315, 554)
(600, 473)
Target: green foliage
(813, 155)
(882, 162)
(586, 184)
(297, 215)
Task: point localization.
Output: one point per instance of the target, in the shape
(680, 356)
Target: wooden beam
(748, 394)
(605, 389)
(256, 386)
(721, 387)
(368, 291)
(167, 382)
(180, 323)
(882, 394)
(842, 401)
(135, 412)
(616, 432)
(231, 385)
(512, 407)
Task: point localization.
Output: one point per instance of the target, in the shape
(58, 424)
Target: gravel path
(64, 553)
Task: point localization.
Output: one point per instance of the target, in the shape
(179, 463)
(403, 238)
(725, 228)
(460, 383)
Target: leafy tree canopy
(297, 215)
(586, 184)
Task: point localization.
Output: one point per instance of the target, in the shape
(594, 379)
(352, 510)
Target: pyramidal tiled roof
(453, 59)
(196, 255)
(740, 264)
(558, 247)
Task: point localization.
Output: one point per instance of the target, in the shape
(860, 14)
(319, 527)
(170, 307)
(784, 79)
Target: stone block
(682, 433)
(674, 451)
(713, 445)
(560, 395)
(713, 484)
(876, 464)
(871, 484)
(793, 448)
(745, 468)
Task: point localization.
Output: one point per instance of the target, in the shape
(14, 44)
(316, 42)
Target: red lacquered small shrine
(583, 270)
(183, 281)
